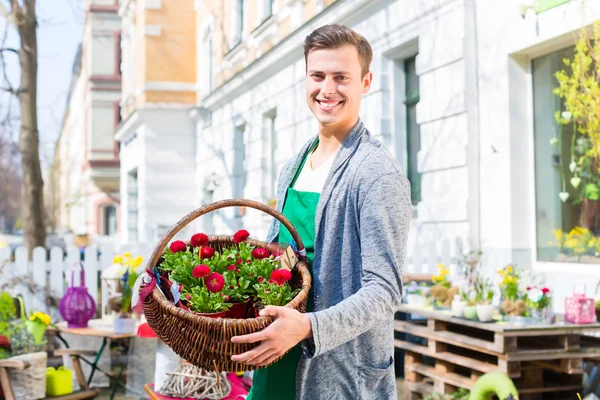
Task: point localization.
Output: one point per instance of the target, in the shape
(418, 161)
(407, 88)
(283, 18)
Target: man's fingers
(260, 360)
(269, 360)
(272, 311)
(250, 338)
(251, 354)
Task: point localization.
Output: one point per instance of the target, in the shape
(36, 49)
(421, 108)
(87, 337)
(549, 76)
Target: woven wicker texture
(203, 341)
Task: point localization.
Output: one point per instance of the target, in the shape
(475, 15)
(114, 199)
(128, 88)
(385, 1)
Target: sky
(60, 31)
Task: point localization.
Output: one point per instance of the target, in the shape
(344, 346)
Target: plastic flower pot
(470, 312)
(458, 307)
(485, 312)
(124, 325)
(238, 310)
(220, 314)
(416, 300)
(37, 330)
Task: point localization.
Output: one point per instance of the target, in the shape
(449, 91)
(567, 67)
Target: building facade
(461, 96)
(87, 158)
(157, 133)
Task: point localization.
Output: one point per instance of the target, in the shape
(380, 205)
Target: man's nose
(328, 86)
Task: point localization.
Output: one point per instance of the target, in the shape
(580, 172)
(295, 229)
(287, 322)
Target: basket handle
(81, 276)
(216, 206)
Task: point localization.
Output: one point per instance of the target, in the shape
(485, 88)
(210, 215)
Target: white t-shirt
(311, 180)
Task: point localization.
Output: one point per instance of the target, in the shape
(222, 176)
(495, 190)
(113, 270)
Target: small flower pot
(37, 330)
(124, 325)
(238, 310)
(485, 312)
(416, 300)
(220, 314)
(470, 312)
(458, 307)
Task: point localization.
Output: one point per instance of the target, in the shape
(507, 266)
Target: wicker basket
(29, 383)
(203, 341)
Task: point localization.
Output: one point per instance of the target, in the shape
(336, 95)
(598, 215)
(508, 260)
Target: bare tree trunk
(32, 191)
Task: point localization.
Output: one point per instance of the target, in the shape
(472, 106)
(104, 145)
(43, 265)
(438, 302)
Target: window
(207, 73)
(266, 10)
(238, 170)
(413, 131)
(561, 175)
(269, 150)
(110, 220)
(237, 23)
(132, 206)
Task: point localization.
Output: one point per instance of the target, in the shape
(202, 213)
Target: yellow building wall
(171, 56)
(221, 12)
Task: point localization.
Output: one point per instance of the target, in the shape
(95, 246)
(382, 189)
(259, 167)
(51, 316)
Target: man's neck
(331, 138)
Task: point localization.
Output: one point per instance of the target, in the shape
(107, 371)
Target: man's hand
(289, 328)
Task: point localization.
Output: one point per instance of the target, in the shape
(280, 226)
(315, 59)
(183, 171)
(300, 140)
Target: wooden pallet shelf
(544, 361)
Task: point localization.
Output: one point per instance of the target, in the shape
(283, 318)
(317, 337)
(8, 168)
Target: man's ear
(367, 80)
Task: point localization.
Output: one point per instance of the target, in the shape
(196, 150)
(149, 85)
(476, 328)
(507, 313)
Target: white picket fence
(55, 269)
(29, 278)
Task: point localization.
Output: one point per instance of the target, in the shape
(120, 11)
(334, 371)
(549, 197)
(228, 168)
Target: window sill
(575, 268)
(237, 48)
(263, 26)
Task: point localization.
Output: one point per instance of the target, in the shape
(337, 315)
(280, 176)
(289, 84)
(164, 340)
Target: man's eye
(342, 78)
(317, 76)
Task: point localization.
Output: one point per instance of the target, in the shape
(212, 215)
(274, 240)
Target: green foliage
(203, 301)
(271, 294)
(579, 88)
(7, 312)
(460, 394)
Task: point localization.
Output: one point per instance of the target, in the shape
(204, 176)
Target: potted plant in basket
(7, 313)
(442, 292)
(513, 304)
(31, 382)
(233, 282)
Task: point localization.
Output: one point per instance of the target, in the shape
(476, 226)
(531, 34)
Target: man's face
(334, 85)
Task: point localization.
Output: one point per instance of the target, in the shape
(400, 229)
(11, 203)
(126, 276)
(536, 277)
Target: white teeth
(328, 104)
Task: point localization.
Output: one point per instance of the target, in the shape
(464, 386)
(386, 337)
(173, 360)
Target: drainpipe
(473, 124)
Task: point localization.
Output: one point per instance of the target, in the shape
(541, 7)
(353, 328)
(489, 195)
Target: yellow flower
(127, 254)
(44, 318)
(558, 234)
(509, 269)
(501, 272)
(137, 261)
(117, 260)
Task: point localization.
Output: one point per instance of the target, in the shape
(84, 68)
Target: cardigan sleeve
(384, 218)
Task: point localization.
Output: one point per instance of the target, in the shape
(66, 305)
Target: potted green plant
(484, 294)
(538, 302)
(124, 322)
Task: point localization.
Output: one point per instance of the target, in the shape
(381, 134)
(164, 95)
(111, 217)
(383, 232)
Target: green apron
(278, 381)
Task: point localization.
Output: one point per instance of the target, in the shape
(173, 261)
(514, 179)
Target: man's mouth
(329, 104)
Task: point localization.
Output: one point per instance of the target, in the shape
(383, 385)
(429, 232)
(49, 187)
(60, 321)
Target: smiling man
(350, 202)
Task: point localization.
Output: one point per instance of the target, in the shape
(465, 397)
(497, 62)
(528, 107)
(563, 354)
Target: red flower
(206, 252)
(251, 274)
(177, 246)
(226, 298)
(240, 236)
(230, 287)
(545, 290)
(200, 271)
(528, 288)
(281, 276)
(239, 261)
(232, 267)
(188, 297)
(261, 279)
(199, 239)
(215, 282)
(260, 253)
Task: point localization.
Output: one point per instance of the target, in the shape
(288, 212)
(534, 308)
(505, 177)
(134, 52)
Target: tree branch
(8, 15)
(9, 50)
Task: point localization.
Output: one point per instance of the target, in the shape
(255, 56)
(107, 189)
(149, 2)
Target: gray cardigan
(362, 224)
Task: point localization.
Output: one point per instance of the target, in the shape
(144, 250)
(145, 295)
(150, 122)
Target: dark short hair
(335, 36)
